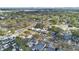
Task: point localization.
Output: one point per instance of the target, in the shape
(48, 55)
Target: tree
(75, 32)
(39, 25)
(2, 33)
(22, 44)
(54, 20)
(56, 29)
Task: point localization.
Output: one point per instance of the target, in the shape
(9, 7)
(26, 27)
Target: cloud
(39, 3)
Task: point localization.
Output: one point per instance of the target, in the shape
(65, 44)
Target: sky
(39, 3)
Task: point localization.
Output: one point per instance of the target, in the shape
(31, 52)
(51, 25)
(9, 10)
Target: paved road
(65, 27)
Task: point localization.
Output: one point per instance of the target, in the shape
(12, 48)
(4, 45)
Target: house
(39, 47)
(53, 34)
(1, 48)
(49, 47)
(5, 46)
(67, 36)
(32, 42)
(2, 17)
